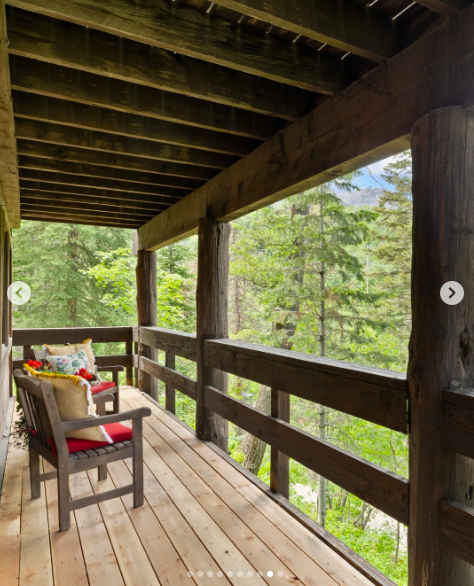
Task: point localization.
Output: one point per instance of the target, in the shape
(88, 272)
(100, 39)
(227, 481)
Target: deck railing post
(440, 349)
(170, 362)
(280, 463)
(212, 322)
(147, 315)
(129, 369)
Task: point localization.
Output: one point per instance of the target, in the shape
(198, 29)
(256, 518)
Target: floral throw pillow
(69, 363)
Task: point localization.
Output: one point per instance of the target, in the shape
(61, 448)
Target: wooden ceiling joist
(115, 161)
(112, 143)
(31, 204)
(185, 30)
(62, 43)
(84, 172)
(47, 177)
(50, 200)
(95, 90)
(44, 109)
(449, 8)
(78, 219)
(345, 24)
(82, 191)
(370, 120)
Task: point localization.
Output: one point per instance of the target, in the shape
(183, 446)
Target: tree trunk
(253, 448)
(440, 348)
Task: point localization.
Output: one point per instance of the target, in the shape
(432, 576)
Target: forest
(310, 274)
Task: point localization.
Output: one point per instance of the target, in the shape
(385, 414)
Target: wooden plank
(190, 32)
(9, 189)
(379, 487)
(115, 161)
(373, 394)
(125, 360)
(170, 390)
(35, 555)
(351, 130)
(70, 215)
(42, 177)
(178, 381)
(280, 463)
(458, 422)
(101, 141)
(449, 8)
(134, 180)
(10, 518)
(66, 113)
(457, 530)
(55, 41)
(292, 522)
(41, 217)
(95, 90)
(179, 343)
(39, 336)
(346, 25)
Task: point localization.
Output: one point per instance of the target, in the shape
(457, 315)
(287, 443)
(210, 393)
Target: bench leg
(35, 483)
(102, 472)
(63, 499)
(137, 462)
(100, 409)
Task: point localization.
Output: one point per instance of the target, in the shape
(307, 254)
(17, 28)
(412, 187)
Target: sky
(371, 175)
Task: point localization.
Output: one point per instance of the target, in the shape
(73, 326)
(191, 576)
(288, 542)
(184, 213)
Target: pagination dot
(280, 574)
(270, 574)
(209, 574)
(199, 574)
(190, 574)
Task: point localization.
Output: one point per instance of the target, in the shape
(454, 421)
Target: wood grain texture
(76, 219)
(187, 31)
(370, 120)
(212, 322)
(448, 8)
(95, 217)
(108, 208)
(178, 381)
(458, 422)
(95, 90)
(39, 336)
(280, 463)
(67, 113)
(61, 43)
(457, 530)
(179, 343)
(379, 487)
(440, 347)
(346, 25)
(372, 394)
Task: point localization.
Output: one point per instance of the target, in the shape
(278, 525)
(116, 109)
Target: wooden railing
(27, 338)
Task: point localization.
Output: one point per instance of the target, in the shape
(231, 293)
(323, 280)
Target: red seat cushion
(103, 386)
(116, 431)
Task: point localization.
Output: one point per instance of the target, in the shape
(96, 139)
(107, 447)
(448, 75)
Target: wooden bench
(47, 439)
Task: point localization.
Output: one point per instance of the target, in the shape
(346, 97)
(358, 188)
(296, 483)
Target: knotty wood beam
(51, 110)
(112, 143)
(346, 25)
(370, 120)
(9, 190)
(45, 177)
(55, 41)
(443, 225)
(449, 8)
(102, 159)
(147, 315)
(185, 30)
(52, 189)
(70, 202)
(96, 90)
(48, 166)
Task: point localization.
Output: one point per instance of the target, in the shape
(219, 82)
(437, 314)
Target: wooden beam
(188, 31)
(48, 166)
(111, 143)
(46, 177)
(100, 335)
(178, 343)
(449, 8)
(458, 422)
(346, 24)
(61, 43)
(95, 90)
(369, 121)
(56, 219)
(50, 188)
(212, 322)
(457, 530)
(71, 211)
(443, 224)
(182, 383)
(44, 109)
(121, 162)
(9, 189)
(71, 202)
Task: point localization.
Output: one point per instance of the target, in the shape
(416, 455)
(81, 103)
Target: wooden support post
(441, 352)
(170, 362)
(129, 369)
(135, 352)
(147, 314)
(211, 297)
(28, 353)
(280, 463)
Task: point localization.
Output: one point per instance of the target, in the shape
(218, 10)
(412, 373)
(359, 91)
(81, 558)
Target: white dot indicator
(260, 574)
(240, 574)
(209, 574)
(219, 574)
(270, 574)
(249, 574)
(280, 574)
(199, 574)
(230, 573)
(190, 574)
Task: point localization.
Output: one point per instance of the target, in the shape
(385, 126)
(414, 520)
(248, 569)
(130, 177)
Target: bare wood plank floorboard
(203, 523)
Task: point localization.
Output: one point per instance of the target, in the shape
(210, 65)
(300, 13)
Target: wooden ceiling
(124, 108)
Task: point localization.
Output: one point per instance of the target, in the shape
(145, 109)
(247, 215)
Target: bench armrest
(105, 419)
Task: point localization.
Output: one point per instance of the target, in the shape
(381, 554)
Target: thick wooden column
(212, 322)
(147, 314)
(442, 340)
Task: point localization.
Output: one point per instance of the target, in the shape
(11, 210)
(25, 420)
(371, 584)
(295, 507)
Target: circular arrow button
(19, 293)
(452, 293)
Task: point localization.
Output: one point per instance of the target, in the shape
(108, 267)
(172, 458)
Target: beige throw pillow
(74, 401)
(74, 349)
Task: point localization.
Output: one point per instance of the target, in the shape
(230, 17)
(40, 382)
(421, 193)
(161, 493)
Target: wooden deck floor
(203, 522)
